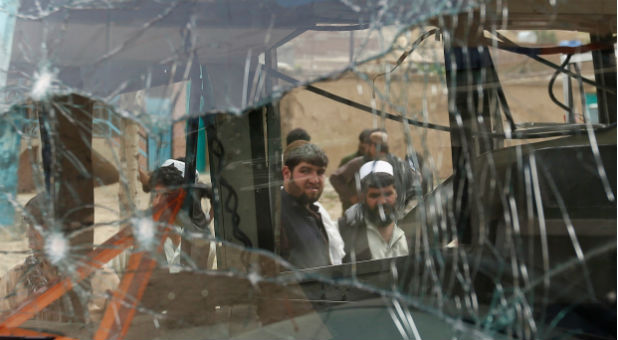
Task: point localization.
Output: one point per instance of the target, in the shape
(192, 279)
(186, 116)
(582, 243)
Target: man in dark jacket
(304, 240)
(363, 145)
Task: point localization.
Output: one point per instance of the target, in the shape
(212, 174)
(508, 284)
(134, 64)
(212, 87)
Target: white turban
(180, 165)
(375, 167)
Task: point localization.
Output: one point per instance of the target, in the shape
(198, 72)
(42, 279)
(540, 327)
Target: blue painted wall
(160, 136)
(10, 139)
(9, 122)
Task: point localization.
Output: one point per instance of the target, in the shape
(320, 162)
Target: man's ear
(287, 173)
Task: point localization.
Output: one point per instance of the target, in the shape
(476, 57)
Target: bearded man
(308, 236)
(369, 228)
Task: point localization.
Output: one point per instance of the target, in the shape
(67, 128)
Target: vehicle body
(516, 239)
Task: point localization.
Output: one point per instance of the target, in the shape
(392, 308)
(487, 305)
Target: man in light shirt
(165, 183)
(369, 228)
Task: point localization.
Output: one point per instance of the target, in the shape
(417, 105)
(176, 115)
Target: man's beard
(380, 220)
(299, 193)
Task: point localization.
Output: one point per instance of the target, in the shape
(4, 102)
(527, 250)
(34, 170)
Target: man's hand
(354, 199)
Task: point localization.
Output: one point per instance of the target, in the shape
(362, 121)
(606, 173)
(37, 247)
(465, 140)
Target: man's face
(305, 182)
(161, 195)
(380, 205)
(363, 147)
(372, 151)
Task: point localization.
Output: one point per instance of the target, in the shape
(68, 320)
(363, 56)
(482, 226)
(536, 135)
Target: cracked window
(307, 169)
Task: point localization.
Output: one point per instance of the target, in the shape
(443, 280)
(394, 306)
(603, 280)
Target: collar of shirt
(397, 233)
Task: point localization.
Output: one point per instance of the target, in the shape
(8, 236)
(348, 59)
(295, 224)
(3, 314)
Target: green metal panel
(202, 152)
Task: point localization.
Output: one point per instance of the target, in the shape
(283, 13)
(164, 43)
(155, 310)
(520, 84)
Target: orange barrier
(121, 309)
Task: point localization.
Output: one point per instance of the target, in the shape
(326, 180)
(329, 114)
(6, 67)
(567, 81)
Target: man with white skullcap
(369, 228)
(408, 179)
(164, 182)
(180, 166)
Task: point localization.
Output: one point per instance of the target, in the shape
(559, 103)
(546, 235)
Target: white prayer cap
(375, 167)
(180, 165)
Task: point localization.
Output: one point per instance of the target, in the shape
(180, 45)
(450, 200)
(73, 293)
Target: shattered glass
(148, 189)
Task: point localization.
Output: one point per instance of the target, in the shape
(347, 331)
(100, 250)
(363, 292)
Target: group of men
(374, 187)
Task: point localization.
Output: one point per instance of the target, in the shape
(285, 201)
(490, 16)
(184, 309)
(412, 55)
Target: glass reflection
(297, 169)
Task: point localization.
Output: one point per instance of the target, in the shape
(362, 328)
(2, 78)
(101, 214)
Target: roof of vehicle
(103, 49)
